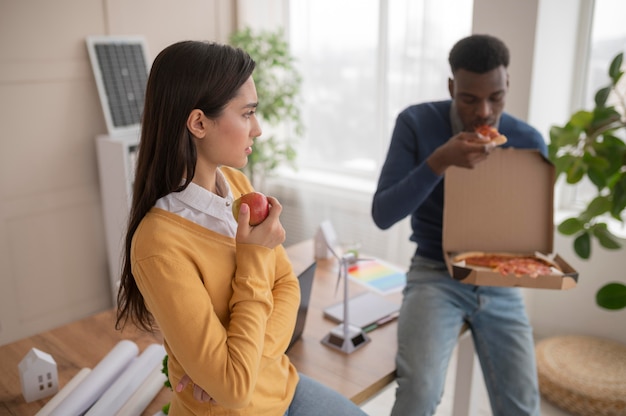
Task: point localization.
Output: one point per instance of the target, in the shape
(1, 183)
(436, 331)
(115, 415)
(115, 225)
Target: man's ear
(197, 123)
(451, 87)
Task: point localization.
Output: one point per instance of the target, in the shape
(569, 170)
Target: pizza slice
(492, 134)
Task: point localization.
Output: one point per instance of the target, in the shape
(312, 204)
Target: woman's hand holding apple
(269, 233)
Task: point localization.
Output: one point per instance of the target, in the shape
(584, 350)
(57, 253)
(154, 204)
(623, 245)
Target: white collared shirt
(203, 207)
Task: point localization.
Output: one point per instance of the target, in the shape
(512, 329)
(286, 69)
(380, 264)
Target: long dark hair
(185, 76)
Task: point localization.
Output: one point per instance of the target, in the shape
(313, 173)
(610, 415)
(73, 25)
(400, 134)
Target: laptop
(306, 284)
(368, 311)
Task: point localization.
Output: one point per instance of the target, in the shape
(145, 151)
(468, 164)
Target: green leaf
(602, 118)
(571, 226)
(581, 119)
(615, 69)
(582, 245)
(164, 370)
(563, 163)
(598, 206)
(576, 171)
(614, 142)
(597, 177)
(611, 150)
(612, 296)
(619, 196)
(602, 95)
(594, 161)
(563, 136)
(596, 167)
(605, 237)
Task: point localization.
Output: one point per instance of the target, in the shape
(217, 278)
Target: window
(607, 39)
(362, 62)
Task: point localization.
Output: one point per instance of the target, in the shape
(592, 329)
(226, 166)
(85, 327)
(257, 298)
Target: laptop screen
(306, 284)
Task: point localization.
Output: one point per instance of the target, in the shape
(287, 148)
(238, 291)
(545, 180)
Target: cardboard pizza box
(504, 204)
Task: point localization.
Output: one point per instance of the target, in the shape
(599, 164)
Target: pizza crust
(501, 139)
(467, 254)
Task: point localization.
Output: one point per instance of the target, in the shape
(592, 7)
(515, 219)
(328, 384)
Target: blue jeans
(315, 399)
(434, 308)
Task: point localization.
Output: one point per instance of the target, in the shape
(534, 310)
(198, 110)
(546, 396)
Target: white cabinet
(116, 167)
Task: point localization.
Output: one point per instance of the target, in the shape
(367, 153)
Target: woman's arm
(286, 296)
(221, 357)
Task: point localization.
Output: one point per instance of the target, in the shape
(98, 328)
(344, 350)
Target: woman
(221, 292)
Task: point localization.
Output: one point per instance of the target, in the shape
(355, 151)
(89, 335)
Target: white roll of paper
(128, 382)
(63, 393)
(83, 396)
(144, 395)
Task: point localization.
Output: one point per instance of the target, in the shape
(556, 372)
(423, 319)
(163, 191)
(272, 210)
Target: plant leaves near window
(615, 70)
(582, 245)
(602, 95)
(605, 238)
(598, 206)
(590, 146)
(619, 196)
(571, 226)
(278, 84)
(612, 296)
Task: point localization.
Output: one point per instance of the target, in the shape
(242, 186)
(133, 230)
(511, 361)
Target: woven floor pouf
(583, 375)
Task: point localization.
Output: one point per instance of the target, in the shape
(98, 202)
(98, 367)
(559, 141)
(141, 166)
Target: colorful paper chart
(378, 275)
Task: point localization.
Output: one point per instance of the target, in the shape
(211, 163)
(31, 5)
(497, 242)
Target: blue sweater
(408, 186)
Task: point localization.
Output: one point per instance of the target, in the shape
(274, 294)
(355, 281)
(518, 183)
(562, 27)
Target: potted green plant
(590, 145)
(278, 84)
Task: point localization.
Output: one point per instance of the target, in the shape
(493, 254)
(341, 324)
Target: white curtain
(362, 62)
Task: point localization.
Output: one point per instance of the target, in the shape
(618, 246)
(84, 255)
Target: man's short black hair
(479, 54)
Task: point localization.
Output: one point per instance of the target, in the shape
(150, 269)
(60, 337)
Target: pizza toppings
(492, 134)
(506, 264)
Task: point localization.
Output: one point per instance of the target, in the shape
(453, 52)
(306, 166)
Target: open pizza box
(503, 205)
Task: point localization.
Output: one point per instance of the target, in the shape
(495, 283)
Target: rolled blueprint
(128, 382)
(144, 395)
(83, 396)
(63, 393)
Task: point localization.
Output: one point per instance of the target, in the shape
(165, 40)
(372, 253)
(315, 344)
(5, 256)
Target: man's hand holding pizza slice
(491, 133)
(466, 149)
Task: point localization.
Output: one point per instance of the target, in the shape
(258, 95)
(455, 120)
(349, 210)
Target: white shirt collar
(204, 207)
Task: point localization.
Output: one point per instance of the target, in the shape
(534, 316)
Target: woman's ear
(197, 123)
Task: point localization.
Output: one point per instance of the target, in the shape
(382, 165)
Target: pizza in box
(532, 265)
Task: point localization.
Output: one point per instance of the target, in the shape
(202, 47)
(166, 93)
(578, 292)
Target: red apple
(259, 207)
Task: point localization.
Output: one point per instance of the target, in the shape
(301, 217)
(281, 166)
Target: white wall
(574, 311)
(514, 22)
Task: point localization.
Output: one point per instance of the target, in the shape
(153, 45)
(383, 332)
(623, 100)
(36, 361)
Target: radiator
(307, 203)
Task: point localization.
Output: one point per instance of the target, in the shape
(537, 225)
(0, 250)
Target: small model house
(38, 375)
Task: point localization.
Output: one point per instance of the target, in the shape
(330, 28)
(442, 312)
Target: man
(427, 139)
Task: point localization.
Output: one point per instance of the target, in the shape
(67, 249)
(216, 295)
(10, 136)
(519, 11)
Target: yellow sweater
(226, 312)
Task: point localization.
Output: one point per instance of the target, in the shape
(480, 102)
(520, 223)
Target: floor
(381, 404)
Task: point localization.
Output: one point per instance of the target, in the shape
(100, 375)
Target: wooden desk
(359, 375)
(84, 343)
